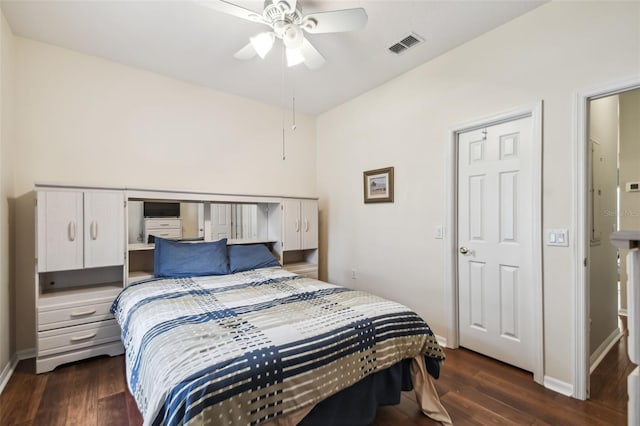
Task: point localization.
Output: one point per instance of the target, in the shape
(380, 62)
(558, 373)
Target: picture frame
(378, 185)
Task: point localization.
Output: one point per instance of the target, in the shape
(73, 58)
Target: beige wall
(7, 337)
(547, 54)
(603, 265)
(629, 172)
(84, 120)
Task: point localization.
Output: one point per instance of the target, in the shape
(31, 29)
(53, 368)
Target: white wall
(7, 336)
(84, 120)
(629, 172)
(547, 54)
(603, 265)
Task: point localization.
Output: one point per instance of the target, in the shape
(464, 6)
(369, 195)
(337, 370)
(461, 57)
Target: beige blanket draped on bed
(423, 386)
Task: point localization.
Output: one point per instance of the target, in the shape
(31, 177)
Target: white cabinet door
(60, 230)
(291, 225)
(309, 224)
(103, 228)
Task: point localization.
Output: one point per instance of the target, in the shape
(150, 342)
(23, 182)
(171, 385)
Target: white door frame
(581, 250)
(451, 244)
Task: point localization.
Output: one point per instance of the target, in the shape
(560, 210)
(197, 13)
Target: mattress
(257, 346)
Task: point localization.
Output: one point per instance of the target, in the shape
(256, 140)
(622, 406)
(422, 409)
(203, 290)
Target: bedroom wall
(85, 120)
(7, 336)
(603, 268)
(542, 55)
(629, 172)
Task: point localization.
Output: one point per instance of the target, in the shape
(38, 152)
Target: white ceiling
(192, 42)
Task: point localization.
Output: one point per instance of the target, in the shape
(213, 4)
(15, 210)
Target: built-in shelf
(52, 296)
(135, 276)
(151, 246)
(140, 246)
(244, 241)
(307, 269)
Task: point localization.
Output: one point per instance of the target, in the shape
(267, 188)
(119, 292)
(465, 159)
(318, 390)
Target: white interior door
(495, 242)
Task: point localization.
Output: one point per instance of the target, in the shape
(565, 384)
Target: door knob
(465, 250)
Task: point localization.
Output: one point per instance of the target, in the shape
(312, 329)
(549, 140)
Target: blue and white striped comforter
(249, 347)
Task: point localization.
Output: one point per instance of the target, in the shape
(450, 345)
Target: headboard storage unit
(90, 242)
(288, 226)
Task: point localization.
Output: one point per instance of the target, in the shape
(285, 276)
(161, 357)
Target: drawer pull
(81, 314)
(88, 336)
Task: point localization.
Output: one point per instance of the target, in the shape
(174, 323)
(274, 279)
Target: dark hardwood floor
(474, 389)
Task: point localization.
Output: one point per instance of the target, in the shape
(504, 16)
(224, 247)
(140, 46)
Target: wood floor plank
(112, 410)
(83, 397)
(16, 405)
(111, 377)
(135, 418)
(54, 403)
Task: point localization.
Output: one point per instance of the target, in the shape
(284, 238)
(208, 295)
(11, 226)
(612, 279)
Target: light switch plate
(558, 237)
(438, 234)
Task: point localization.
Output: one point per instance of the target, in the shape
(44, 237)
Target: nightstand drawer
(76, 337)
(161, 223)
(164, 233)
(69, 316)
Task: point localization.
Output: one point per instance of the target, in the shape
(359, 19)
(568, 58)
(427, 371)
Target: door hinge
(585, 262)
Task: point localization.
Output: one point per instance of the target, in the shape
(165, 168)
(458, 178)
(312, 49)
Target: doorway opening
(601, 154)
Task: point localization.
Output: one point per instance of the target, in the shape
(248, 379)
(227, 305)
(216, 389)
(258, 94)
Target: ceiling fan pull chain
(293, 126)
(283, 103)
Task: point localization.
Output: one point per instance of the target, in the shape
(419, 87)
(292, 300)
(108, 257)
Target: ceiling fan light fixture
(292, 36)
(262, 43)
(294, 57)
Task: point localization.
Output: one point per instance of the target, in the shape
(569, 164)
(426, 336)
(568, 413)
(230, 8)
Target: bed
(265, 346)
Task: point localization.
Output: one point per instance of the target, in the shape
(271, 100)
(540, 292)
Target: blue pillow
(174, 259)
(253, 256)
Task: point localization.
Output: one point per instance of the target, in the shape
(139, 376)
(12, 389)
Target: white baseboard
(442, 341)
(8, 369)
(26, 354)
(601, 351)
(558, 386)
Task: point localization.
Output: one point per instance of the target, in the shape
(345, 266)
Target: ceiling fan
(289, 24)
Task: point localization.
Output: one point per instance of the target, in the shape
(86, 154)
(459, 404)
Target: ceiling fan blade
(335, 21)
(246, 52)
(312, 58)
(234, 10)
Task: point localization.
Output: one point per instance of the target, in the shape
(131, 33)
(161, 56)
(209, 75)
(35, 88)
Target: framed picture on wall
(378, 185)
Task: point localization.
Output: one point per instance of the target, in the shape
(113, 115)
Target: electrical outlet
(354, 274)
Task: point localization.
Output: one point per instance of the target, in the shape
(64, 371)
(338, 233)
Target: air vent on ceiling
(407, 41)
